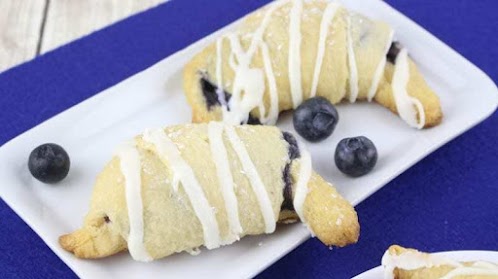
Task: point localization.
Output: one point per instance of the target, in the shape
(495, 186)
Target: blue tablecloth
(448, 201)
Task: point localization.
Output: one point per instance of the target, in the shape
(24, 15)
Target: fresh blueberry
(49, 163)
(355, 156)
(315, 119)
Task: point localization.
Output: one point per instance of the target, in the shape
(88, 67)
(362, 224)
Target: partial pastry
(292, 50)
(183, 187)
(401, 263)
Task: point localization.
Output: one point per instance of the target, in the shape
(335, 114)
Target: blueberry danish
(401, 263)
(292, 50)
(177, 189)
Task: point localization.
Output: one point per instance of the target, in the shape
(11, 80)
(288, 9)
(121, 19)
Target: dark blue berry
(49, 163)
(355, 156)
(315, 119)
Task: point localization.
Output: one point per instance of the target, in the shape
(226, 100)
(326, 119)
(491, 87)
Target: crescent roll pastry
(401, 263)
(292, 50)
(183, 187)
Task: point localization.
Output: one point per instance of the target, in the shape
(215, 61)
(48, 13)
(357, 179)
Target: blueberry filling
(293, 148)
(253, 120)
(209, 90)
(393, 52)
(210, 95)
(287, 204)
(294, 153)
(106, 219)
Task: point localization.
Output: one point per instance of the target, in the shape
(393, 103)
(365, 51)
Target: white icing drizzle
(379, 72)
(167, 151)
(272, 116)
(327, 18)
(406, 105)
(131, 169)
(255, 180)
(295, 52)
(248, 87)
(250, 81)
(302, 182)
(219, 76)
(411, 260)
(220, 159)
(353, 70)
(194, 251)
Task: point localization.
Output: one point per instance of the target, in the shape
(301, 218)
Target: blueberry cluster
(315, 120)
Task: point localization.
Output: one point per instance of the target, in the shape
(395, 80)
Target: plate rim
(483, 78)
(452, 254)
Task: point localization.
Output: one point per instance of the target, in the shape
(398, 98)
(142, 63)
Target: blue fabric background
(448, 201)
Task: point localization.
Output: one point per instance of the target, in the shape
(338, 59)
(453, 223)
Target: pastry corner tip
(349, 235)
(74, 243)
(85, 243)
(396, 249)
(434, 119)
(66, 241)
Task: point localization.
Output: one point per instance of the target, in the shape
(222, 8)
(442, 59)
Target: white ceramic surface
(490, 256)
(154, 98)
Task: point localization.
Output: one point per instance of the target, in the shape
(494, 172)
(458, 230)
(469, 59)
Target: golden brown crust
(330, 217)
(418, 88)
(93, 241)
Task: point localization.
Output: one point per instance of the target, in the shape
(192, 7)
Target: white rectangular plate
(154, 98)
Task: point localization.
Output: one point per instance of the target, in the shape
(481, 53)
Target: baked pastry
(292, 50)
(401, 263)
(176, 189)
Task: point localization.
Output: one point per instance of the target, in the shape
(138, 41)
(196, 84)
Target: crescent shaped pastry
(292, 50)
(403, 263)
(183, 187)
